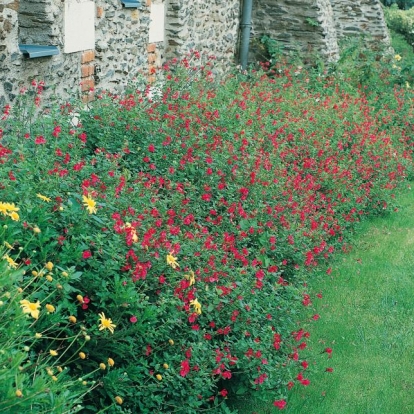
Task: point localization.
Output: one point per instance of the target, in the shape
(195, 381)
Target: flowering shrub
(187, 225)
(401, 21)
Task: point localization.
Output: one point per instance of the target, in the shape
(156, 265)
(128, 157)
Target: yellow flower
(9, 246)
(90, 204)
(49, 266)
(53, 353)
(59, 368)
(102, 366)
(54, 378)
(38, 335)
(166, 366)
(172, 261)
(19, 393)
(50, 308)
(397, 58)
(30, 307)
(106, 323)
(65, 274)
(7, 208)
(14, 216)
(171, 342)
(44, 198)
(190, 278)
(159, 377)
(72, 319)
(111, 362)
(82, 355)
(79, 298)
(119, 400)
(49, 278)
(10, 261)
(197, 306)
(36, 230)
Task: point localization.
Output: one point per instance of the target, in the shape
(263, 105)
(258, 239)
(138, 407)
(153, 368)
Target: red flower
(328, 351)
(223, 393)
(281, 404)
(86, 254)
(185, 368)
(226, 374)
(40, 140)
(133, 319)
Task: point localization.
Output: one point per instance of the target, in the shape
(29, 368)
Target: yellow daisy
(14, 216)
(90, 204)
(197, 306)
(106, 323)
(7, 208)
(11, 262)
(190, 278)
(30, 307)
(44, 198)
(172, 261)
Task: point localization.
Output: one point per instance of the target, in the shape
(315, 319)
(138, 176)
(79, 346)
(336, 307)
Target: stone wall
(208, 26)
(299, 25)
(118, 52)
(121, 43)
(103, 45)
(360, 16)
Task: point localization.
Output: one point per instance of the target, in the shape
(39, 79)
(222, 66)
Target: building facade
(79, 46)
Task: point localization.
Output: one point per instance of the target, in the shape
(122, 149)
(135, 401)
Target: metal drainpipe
(245, 25)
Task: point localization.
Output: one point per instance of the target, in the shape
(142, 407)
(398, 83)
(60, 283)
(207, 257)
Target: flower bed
(166, 243)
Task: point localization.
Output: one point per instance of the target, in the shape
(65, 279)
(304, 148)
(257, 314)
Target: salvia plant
(157, 244)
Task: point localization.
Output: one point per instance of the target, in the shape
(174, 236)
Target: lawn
(366, 318)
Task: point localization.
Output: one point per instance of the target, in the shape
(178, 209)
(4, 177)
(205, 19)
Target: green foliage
(402, 4)
(187, 217)
(312, 22)
(31, 378)
(401, 21)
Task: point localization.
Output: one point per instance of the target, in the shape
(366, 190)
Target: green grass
(367, 318)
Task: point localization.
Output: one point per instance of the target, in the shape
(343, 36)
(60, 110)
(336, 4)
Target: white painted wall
(79, 25)
(156, 29)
